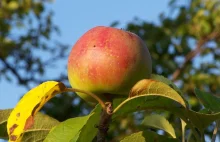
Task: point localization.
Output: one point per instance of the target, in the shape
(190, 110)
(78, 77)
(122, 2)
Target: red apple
(109, 61)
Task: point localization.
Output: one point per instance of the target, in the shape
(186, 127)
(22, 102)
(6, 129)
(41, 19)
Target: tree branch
(24, 80)
(104, 122)
(7, 65)
(215, 130)
(194, 52)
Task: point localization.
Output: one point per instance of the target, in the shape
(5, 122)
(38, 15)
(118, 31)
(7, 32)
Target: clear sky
(76, 17)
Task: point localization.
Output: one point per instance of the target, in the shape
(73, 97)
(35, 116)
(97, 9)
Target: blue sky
(76, 17)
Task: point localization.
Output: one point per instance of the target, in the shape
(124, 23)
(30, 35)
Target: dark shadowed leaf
(147, 136)
(210, 102)
(199, 120)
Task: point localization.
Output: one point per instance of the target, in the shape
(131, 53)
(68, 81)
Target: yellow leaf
(148, 87)
(22, 116)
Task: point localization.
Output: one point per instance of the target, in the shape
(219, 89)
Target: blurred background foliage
(26, 28)
(185, 47)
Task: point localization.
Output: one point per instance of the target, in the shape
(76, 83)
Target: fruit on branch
(108, 62)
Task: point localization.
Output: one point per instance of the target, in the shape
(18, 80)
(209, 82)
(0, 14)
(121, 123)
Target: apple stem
(104, 122)
(88, 93)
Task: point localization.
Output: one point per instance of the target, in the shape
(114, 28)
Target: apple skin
(108, 62)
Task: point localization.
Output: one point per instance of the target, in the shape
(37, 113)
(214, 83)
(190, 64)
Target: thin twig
(13, 70)
(194, 52)
(88, 93)
(215, 130)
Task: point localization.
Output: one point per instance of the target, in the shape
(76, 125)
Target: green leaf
(68, 129)
(148, 87)
(3, 120)
(159, 122)
(159, 102)
(150, 94)
(89, 131)
(41, 127)
(209, 101)
(76, 129)
(172, 85)
(200, 120)
(147, 136)
(169, 83)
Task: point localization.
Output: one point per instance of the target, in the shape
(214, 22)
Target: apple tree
(184, 49)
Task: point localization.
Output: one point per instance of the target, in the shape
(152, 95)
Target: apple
(108, 62)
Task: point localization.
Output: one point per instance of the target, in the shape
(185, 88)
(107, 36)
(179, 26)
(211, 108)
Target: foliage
(185, 45)
(145, 94)
(147, 136)
(26, 30)
(76, 129)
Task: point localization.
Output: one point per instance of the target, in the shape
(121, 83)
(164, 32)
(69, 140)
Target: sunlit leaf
(209, 101)
(42, 125)
(172, 85)
(168, 82)
(68, 129)
(78, 129)
(89, 131)
(22, 116)
(147, 87)
(159, 122)
(147, 136)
